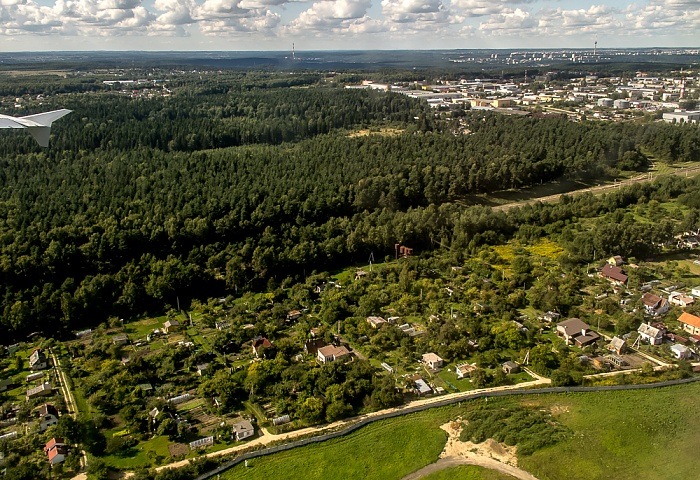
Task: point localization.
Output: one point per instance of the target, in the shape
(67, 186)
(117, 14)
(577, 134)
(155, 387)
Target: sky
(249, 25)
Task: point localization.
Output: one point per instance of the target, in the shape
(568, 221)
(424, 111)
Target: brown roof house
(651, 335)
(690, 323)
(576, 331)
(613, 274)
(56, 450)
(37, 360)
(510, 367)
(171, 326)
(48, 415)
(311, 346)
(261, 344)
(654, 304)
(617, 345)
(331, 353)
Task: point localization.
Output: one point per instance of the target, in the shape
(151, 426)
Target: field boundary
(418, 408)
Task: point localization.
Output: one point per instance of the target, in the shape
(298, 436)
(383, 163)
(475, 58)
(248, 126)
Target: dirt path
(489, 454)
(267, 438)
(598, 189)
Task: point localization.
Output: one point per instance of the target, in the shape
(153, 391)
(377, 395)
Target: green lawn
(639, 435)
(384, 450)
(467, 472)
(143, 327)
(138, 457)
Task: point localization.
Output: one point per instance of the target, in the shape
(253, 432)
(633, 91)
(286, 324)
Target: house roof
(243, 426)
(573, 326)
(466, 368)
(611, 271)
(171, 323)
(48, 409)
(510, 364)
(422, 386)
(689, 319)
(37, 356)
(648, 330)
(651, 300)
(58, 450)
(261, 342)
(431, 358)
(617, 343)
(53, 442)
(333, 351)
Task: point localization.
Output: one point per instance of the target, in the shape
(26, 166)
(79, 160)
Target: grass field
(138, 456)
(623, 435)
(636, 435)
(384, 450)
(467, 472)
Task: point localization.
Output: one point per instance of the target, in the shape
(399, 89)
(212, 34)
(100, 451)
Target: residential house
(680, 299)
(120, 339)
(681, 351)
(202, 369)
(465, 370)
(550, 317)
(37, 360)
(432, 360)
(375, 322)
(616, 360)
(171, 326)
(617, 345)
(261, 344)
(613, 274)
(243, 429)
(360, 274)
(293, 315)
(616, 260)
(42, 390)
(56, 450)
(690, 323)
(649, 334)
(510, 367)
(421, 387)
(331, 353)
(695, 291)
(48, 416)
(311, 346)
(576, 331)
(654, 304)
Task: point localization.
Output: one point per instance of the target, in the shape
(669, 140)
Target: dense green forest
(227, 185)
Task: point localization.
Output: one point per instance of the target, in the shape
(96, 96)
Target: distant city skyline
(240, 25)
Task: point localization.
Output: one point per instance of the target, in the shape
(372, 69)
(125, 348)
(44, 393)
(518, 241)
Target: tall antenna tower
(293, 55)
(595, 45)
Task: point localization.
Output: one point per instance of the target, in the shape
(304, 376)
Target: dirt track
(599, 189)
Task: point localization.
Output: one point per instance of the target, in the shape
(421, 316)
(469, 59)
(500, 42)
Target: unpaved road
(599, 189)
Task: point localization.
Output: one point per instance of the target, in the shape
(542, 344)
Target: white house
(331, 353)
(649, 334)
(681, 351)
(432, 360)
(243, 429)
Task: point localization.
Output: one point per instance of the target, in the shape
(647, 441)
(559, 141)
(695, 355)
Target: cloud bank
(343, 23)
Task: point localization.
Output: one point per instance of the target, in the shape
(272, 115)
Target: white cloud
(331, 16)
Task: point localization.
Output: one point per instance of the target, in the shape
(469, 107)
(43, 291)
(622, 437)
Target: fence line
(418, 408)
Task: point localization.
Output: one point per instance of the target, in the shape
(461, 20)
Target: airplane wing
(39, 124)
(47, 118)
(9, 122)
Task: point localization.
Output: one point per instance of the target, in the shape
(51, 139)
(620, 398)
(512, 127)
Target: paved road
(599, 189)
